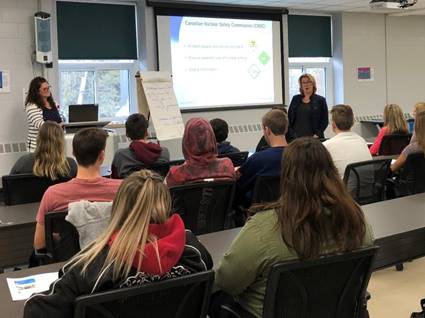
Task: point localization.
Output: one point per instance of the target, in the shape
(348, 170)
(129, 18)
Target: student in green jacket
(315, 215)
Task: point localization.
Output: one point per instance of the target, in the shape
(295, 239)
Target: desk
(15, 309)
(16, 233)
(379, 123)
(399, 231)
(398, 226)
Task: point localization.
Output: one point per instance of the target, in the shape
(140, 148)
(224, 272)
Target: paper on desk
(23, 288)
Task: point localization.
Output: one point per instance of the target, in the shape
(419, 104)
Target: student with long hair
(142, 244)
(39, 106)
(49, 158)
(200, 154)
(315, 215)
(394, 123)
(418, 145)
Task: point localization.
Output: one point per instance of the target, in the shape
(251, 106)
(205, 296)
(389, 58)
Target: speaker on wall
(43, 38)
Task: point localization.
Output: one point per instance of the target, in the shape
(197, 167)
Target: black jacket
(58, 301)
(319, 115)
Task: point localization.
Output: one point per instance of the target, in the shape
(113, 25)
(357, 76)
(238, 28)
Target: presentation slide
(221, 62)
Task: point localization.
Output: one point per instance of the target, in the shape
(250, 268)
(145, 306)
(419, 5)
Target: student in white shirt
(347, 146)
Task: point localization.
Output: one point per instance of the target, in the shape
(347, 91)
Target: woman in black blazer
(308, 112)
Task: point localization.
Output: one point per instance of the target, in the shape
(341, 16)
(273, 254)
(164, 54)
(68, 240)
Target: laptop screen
(82, 113)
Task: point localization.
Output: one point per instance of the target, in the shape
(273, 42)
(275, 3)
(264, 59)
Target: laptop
(83, 113)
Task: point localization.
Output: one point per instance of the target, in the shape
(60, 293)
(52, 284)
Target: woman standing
(308, 112)
(40, 107)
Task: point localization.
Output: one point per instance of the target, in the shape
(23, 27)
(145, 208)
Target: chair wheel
(399, 267)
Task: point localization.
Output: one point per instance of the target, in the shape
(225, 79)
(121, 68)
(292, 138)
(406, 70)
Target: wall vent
(245, 128)
(14, 147)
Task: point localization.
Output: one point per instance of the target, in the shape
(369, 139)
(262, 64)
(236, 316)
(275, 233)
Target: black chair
(366, 180)
(332, 286)
(204, 206)
(62, 239)
(26, 188)
(183, 297)
(412, 175)
(160, 168)
(393, 144)
(266, 189)
(238, 158)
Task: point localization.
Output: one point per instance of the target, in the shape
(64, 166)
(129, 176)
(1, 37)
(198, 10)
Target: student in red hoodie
(141, 153)
(142, 244)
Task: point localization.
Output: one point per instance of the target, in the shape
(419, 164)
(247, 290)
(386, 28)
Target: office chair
(62, 239)
(205, 207)
(183, 297)
(266, 189)
(393, 144)
(412, 175)
(366, 180)
(238, 158)
(26, 188)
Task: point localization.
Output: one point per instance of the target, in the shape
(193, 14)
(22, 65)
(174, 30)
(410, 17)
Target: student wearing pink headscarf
(200, 152)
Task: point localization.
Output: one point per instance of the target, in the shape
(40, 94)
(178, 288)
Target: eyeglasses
(45, 89)
(306, 83)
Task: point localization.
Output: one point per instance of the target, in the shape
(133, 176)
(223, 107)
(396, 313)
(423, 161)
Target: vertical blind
(309, 36)
(96, 31)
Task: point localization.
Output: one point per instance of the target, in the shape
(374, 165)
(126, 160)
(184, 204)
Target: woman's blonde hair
(420, 129)
(311, 79)
(419, 107)
(394, 120)
(141, 199)
(50, 160)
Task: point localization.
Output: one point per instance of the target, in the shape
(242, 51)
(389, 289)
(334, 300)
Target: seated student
(419, 107)
(49, 158)
(140, 153)
(394, 123)
(142, 244)
(417, 146)
(89, 149)
(200, 153)
(347, 146)
(262, 144)
(266, 162)
(299, 225)
(221, 131)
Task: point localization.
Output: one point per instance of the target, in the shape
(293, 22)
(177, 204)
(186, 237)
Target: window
(320, 68)
(109, 84)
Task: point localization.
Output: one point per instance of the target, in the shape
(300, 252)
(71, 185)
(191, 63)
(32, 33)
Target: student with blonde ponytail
(142, 243)
(49, 158)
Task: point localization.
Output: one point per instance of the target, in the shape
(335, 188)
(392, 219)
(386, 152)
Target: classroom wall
(16, 47)
(393, 46)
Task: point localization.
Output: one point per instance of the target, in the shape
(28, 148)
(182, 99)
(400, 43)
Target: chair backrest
(26, 188)
(266, 189)
(62, 239)
(204, 206)
(183, 297)
(412, 175)
(160, 168)
(366, 180)
(393, 144)
(238, 158)
(331, 286)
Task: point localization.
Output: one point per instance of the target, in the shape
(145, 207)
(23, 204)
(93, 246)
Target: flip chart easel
(156, 98)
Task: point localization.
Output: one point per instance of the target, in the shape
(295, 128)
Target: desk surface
(396, 216)
(386, 218)
(18, 214)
